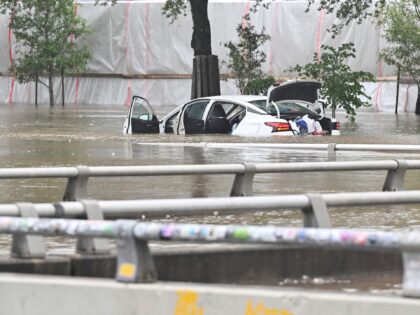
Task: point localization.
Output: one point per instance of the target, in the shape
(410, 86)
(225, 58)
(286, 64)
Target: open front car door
(141, 117)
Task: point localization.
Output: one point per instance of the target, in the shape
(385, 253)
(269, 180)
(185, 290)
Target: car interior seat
(217, 121)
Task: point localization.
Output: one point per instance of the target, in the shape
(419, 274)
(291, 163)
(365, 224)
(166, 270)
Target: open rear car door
(191, 118)
(141, 117)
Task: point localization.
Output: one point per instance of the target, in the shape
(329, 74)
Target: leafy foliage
(402, 31)
(341, 87)
(246, 56)
(173, 8)
(105, 2)
(46, 33)
(259, 86)
(347, 11)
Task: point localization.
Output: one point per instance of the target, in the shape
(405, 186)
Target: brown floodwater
(81, 135)
(90, 136)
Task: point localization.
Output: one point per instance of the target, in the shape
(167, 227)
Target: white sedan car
(215, 114)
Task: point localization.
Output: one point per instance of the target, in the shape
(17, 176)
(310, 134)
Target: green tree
(259, 86)
(46, 33)
(341, 87)
(347, 11)
(246, 56)
(402, 31)
(402, 27)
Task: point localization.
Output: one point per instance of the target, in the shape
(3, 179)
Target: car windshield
(293, 107)
(259, 103)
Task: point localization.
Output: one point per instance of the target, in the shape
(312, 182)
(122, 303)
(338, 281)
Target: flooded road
(93, 136)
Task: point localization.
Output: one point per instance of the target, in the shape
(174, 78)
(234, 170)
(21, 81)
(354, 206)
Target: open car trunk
(295, 90)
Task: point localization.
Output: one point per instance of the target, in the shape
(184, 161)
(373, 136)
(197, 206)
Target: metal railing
(331, 148)
(135, 263)
(112, 209)
(314, 209)
(78, 176)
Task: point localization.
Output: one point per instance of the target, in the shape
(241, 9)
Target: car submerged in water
(215, 114)
(241, 115)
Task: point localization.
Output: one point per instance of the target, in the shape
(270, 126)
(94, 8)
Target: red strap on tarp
(129, 93)
(127, 52)
(12, 86)
(274, 28)
(77, 83)
(318, 34)
(76, 91)
(246, 11)
(379, 89)
(126, 31)
(147, 48)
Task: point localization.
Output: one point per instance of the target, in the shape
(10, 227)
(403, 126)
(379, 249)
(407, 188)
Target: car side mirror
(144, 117)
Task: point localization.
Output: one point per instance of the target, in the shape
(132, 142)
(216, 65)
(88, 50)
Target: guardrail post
(317, 214)
(134, 261)
(90, 245)
(76, 188)
(27, 246)
(242, 185)
(331, 150)
(394, 180)
(411, 267)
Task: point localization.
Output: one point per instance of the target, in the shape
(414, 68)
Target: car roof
(238, 99)
(245, 98)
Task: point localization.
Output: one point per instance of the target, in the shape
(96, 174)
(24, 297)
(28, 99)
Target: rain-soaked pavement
(80, 135)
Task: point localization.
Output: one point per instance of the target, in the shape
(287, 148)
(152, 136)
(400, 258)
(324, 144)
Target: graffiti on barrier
(187, 304)
(261, 309)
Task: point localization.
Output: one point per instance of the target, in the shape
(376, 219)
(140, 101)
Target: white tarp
(133, 38)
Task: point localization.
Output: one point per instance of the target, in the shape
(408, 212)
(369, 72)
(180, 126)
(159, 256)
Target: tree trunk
(201, 38)
(205, 77)
(51, 87)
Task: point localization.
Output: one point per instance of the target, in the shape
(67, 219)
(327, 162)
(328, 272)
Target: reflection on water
(93, 136)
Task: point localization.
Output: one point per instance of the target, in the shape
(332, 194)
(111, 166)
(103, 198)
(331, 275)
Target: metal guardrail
(135, 264)
(78, 176)
(113, 209)
(314, 208)
(329, 147)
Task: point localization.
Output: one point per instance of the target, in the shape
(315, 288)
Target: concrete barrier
(223, 263)
(53, 265)
(35, 295)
